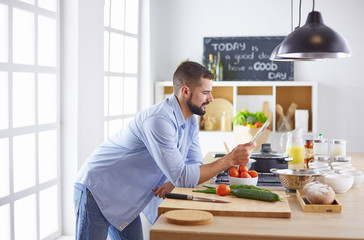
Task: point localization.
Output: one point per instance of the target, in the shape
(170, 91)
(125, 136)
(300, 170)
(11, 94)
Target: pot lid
(266, 152)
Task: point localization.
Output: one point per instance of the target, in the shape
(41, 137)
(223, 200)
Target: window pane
(117, 14)
(106, 51)
(23, 99)
(131, 16)
(47, 155)
(25, 218)
(116, 52)
(23, 37)
(4, 169)
(24, 161)
(130, 95)
(106, 96)
(5, 222)
(131, 54)
(47, 41)
(126, 121)
(47, 98)
(115, 126)
(3, 33)
(48, 214)
(106, 130)
(107, 13)
(4, 102)
(28, 1)
(48, 4)
(116, 96)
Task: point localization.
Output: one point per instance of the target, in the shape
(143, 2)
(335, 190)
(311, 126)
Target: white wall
(178, 28)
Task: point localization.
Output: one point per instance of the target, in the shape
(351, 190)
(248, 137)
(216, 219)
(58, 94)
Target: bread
(319, 193)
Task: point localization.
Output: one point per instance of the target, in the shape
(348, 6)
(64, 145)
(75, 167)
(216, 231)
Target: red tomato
(245, 175)
(243, 168)
(222, 190)
(258, 124)
(233, 172)
(253, 173)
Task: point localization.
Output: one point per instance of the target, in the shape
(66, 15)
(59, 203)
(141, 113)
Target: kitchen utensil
(226, 147)
(260, 131)
(279, 110)
(290, 112)
(188, 217)
(239, 207)
(267, 113)
(266, 159)
(190, 197)
(294, 179)
(216, 108)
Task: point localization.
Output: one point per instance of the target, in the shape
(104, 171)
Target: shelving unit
(251, 95)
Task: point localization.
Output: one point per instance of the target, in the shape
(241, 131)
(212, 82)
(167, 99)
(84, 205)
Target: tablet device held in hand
(260, 131)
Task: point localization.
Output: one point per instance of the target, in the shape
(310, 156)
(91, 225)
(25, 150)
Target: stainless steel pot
(266, 159)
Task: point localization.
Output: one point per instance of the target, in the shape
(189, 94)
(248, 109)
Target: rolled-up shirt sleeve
(160, 136)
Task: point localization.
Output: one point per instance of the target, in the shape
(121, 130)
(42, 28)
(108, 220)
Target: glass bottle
(211, 65)
(320, 145)
(219, 68)
(308, 153)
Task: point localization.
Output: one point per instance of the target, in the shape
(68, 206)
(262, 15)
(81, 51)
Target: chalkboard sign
(247, 58)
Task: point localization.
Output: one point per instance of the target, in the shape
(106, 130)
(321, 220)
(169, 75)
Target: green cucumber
(248, 187)
(256, 194)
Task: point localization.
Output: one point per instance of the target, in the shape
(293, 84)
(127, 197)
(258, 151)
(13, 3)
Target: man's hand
(165, 188)
(241, 153)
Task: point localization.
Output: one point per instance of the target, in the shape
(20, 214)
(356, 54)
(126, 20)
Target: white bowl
(339, 164)
(340, 168)
(339, 182)
(323, 171)
(358, 176)
(243, 181)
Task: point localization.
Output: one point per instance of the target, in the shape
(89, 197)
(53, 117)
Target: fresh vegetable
(233, 172)
(258, 124)
(253, 173)
(212, 190)
(251, 120)
(222, 190)
(245, 175)
(243, 168)
(256, 194)
(245, 117)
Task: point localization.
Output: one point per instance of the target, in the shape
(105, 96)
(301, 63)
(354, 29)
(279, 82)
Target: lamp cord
(299, 12)
(313, 6)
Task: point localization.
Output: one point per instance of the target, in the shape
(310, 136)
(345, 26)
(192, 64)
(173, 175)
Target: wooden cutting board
(240, 207)
(188, 217)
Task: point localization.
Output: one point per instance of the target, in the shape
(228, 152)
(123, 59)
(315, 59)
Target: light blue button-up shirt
(157, 146)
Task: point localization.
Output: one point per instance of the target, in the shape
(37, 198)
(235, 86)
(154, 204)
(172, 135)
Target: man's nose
(211, 98)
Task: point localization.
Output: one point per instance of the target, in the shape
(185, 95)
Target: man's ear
(185, 91)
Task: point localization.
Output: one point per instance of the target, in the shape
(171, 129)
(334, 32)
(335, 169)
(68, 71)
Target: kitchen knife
(190, 197)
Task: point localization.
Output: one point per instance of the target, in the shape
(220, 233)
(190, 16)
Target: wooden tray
(307, 207)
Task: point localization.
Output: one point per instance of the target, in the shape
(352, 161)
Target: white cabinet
(251, 95)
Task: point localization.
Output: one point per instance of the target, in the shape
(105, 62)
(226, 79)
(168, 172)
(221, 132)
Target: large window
(29, 119)
(120, 63)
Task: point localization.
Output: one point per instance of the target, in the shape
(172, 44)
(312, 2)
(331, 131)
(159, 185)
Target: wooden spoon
(279, 109)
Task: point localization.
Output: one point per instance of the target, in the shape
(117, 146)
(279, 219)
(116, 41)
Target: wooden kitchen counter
(349, 224)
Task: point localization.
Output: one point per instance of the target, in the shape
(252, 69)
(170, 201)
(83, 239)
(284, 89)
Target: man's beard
(194, 108)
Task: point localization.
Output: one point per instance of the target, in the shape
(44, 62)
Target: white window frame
(37, 128)
(109, 74)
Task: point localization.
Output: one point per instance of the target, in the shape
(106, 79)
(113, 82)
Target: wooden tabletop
(349, 224)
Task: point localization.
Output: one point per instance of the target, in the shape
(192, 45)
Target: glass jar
(294, 145)
(308, 152)
(210, 123)
(337, 148)
(322, 158)
(321, 146)
(340, 158)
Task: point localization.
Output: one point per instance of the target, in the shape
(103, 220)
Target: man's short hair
(190, 73)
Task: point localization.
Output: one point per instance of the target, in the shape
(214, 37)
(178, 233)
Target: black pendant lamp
(313, 41)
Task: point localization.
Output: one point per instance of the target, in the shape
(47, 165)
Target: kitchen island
(349, 224)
